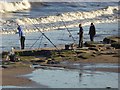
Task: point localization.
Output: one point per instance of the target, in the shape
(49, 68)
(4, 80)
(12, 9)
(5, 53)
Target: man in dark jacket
(92, 32)
(80, 36)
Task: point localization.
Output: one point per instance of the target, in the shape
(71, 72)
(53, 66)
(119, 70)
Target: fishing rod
(70, 34)
(44, 35)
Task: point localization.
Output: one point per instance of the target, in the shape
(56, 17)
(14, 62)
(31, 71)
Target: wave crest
(70, 16)
(71, 19)
(14, 6)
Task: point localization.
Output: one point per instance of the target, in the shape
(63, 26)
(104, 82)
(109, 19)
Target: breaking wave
(71, 19)
(14, 6)
(70, 16)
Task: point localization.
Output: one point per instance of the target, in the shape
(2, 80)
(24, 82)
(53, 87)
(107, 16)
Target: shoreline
(13, 76)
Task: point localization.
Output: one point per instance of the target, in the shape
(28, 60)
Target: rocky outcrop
(116, 45)
(93, 44)
(111, 39)
(85, 55)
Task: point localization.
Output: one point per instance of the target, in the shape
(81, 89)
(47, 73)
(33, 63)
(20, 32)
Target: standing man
(92, 32)
(22, 37)
(80, 36)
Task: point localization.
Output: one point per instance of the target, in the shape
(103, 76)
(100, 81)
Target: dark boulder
(116, 45)
(111, 39)
(92, 44)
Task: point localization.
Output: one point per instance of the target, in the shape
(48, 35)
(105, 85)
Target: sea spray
(70, 16)
(14, 6)
(71, 19)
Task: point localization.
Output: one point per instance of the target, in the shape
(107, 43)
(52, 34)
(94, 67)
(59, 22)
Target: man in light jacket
(22, 37)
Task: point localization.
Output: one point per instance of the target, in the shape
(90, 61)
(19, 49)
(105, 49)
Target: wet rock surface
(111, 39)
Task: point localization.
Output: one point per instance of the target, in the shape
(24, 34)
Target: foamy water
(70, 19)
(14, 6)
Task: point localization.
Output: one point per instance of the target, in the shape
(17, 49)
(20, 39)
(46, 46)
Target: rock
(61, 55)
(43, 53)
(102, 48)
(85, 55)
(100, 45)
(94, 55)
(53, 62)
(111, 39)
(89, 44)
(112, 48)
(116, 45)
(4, 66)
(108, 52)
(108, 87)
(82, 51)
(40, 61)
(93, 44)
(94, 48)
(94, 52)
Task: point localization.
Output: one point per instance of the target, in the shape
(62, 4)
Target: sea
(45, 23)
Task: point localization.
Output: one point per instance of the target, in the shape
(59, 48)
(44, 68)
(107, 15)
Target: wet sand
(10, 75)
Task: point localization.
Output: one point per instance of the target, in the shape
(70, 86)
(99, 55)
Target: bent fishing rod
(44, 35)
(67, 29)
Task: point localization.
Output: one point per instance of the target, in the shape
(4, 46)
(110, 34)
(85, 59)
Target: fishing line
(35, 42)
(44, 35)
(40, 41)
(70, 34)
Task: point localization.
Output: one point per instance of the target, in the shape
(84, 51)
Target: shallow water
(94, 65)
(72, 79)
(58, 37)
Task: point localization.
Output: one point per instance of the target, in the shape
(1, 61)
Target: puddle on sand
(74, 78)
